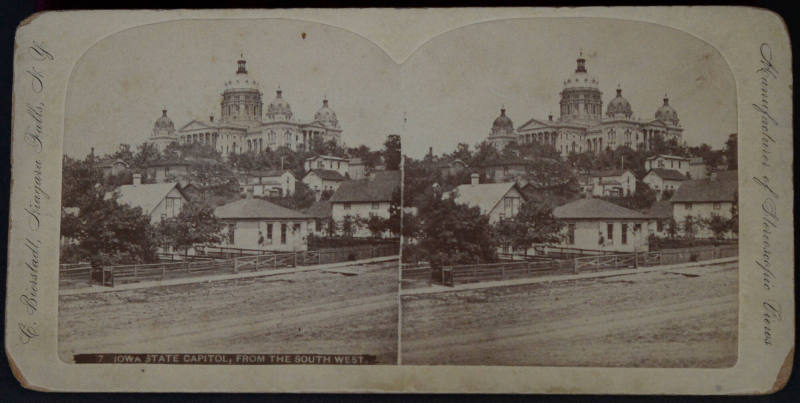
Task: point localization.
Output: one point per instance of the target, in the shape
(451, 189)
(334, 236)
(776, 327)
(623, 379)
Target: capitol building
(245, 125)
(582, 126)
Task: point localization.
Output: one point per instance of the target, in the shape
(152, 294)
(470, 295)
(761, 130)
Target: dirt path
(304, 312)
(653, 319)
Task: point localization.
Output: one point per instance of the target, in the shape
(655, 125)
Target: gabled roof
(320, 209)
(169, 162)
(609, 173)
(268, 173)
(326, 157)
(591, 208)
(665, 156)
(327, 174)
(483, 195)
(108, 162)
(660, 209)
(537, 122)
(146, 196)
(256, 209)
(721, 189)
(378, 187)
(197, 123)
(447, 163)
(668, 174)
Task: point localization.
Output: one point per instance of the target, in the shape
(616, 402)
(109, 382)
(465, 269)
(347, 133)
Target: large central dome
(163, 125)
(581, 78)
(279, 109)
(502, 125)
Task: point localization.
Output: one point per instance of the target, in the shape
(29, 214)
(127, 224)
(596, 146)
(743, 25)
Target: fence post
(635, 260)
(575, 266)
(235, 265)
(274, 261)
(163, 271)
(295, 259)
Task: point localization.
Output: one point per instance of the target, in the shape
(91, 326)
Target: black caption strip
(226, 359)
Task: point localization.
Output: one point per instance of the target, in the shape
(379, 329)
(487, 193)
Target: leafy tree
(734, 220)
(331, 227)
(672, 228)
(195, 225)
(691, 227)
(393, 222)
(718, 225)
(302, 198)
(731, 151)
(391, 153)
(376, 225)
(452, 233)
(147, 153)
(534, 223)
(349, 226)
(326, 194)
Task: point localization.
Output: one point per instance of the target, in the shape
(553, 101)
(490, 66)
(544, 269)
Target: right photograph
(570, 198)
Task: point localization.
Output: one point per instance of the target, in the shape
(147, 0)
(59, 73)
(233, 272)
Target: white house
(340, 165)
(497, 200)
(612, 182)
(357, 168)
(320, 180)
(258, 224)
(158, 200)
(661, 179)
(367, 197)
(703, 198)
(596, 224)
(268, 183)
(679, 164)
(168, 170)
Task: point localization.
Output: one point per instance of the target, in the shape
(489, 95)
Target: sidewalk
(545, 279)
(221, 277)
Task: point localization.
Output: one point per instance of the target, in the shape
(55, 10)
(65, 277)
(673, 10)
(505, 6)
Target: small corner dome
(619, 105)
(667, 113)
(503, 122)
(279, 108)
(164, 123)
(326, 115)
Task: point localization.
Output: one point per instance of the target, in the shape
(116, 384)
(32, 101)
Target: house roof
(255, 209)
(320, 209)
(668, 174)
(494, 162)
(659, 209)
(721, 189)
(268, 173)
(696, 161)
(108, 162)
(146, 196)
(327, 174)
(169, 162)
(380, 186)
(325, 157)
(591, 208)
(669, 157)
(608, 173)
(483, 195)
(610, 182)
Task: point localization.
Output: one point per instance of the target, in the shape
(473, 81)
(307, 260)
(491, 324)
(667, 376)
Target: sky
(457, 82)
(450, 90)
(120, 85)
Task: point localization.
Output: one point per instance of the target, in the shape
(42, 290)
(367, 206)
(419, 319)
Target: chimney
(211, 118)
(550, 117)
(137, 179)
(430, 151)
(474, 179)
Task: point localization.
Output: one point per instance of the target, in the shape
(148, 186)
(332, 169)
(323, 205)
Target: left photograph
(231, 195)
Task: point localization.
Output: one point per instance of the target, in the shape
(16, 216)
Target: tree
(331, 227)
(195, 225)
(672, 228)
(391, 153)
(393, 224)
(534, 223)
(452, 233)
(691, 227)
(734, 220)
(146, 154)
(718, 225)
(350, 225)
(376, 225)
(731, 151)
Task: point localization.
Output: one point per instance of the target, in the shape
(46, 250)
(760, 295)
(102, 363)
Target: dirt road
(306, 312)
(660, 319)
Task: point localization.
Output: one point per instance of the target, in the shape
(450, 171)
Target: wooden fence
(119, 274)
(451, 275)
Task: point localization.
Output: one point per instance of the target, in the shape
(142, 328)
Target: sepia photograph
(230, 190)
(570, 198)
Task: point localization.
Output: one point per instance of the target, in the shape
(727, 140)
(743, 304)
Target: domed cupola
(326, 115)
(163, 125)
(279, 109)
(502, 126)
(619, 106)
(241, 98)
(581, 99)
(667, 113)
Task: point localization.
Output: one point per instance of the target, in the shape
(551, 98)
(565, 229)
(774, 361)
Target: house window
(610, 232)
(376, 206)
(688, 206)
(624, 234)
(231, 232)
(269, 234)
(283, 234)
(346, 206)
(717, 206)
(571, 234)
